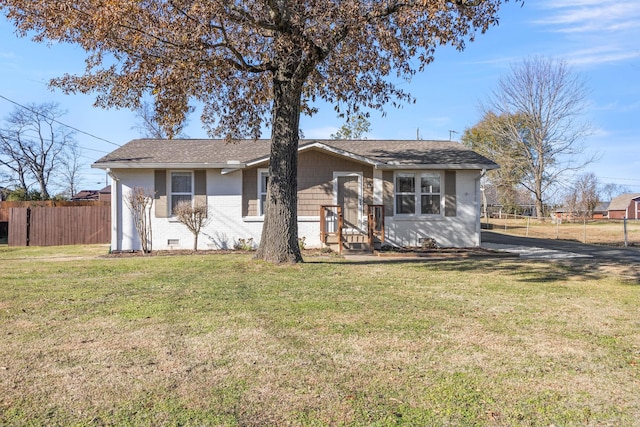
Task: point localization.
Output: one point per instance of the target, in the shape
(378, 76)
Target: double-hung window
(406, 193)
(263, 180)
(181, 188)
(418, 193)
(430, 193)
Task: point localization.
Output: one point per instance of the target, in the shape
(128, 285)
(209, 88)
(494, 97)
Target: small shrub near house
(244, 244)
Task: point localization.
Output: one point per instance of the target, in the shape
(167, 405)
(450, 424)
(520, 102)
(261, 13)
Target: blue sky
(599, 39)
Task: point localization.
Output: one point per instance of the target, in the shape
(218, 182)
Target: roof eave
(448, 166)
(128, 165)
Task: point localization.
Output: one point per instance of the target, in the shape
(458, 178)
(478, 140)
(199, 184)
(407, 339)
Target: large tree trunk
(279, 241)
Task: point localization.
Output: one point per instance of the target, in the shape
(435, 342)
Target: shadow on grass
(522, 270)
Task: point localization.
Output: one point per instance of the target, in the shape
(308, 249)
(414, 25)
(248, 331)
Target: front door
(348, 195)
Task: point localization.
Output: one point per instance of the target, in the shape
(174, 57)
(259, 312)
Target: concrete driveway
(533, 248)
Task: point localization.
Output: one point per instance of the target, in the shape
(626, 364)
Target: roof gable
(622, 202)
(212, 153)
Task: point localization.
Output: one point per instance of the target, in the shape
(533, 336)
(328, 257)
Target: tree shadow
(518, 269)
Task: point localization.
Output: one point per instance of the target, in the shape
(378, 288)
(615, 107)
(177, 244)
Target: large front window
(418, 193)
(181, 188)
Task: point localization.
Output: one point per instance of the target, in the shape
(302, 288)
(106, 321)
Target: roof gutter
(464, 166)
(112, 175)
(122, 165)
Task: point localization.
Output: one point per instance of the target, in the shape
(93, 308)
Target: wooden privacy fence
(59, 225)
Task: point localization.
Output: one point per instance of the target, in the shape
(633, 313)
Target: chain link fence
(605, 232)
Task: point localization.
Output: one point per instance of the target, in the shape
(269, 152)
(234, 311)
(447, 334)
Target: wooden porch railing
(331, 223)
(375, 224)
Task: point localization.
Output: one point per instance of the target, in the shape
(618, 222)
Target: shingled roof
(212, 153)
(622, 202)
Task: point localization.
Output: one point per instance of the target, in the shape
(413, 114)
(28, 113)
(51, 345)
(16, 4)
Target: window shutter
(388, 193)
(450, 193)
(160, 186)
(200, 187)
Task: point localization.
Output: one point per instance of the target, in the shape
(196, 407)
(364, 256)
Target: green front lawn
(225, 340)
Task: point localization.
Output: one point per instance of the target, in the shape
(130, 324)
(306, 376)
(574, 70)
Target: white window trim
(360, 191)
(418, 193)
(259, 191)
(171, 192)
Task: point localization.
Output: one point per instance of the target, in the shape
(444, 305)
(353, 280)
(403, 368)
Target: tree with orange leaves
(251, 63)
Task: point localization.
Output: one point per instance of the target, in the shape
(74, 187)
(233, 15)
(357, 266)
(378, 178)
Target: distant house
(85, 195)
(625, 206)
(103, 195)
(601, 211)
(564, 214)
(408, 192)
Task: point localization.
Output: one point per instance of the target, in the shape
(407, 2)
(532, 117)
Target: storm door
(348, 189)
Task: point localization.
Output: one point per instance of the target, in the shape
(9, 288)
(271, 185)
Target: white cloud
(593, 16)
(599, 31)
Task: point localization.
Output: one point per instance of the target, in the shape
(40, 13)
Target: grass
(225, 340)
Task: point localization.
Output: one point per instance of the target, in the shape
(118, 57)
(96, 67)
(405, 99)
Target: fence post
(585, 229)
(625, 232)
(28, 225)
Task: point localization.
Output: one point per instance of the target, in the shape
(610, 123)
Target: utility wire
(60, 123)
(621, 179)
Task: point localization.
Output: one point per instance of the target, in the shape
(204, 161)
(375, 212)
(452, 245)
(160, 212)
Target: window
(405, 193)
(263, 181)
(181, 188)
(430, 193)
(424, 199)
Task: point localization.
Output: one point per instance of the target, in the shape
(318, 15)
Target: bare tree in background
(541, 102)
(583, 196)
(70, 166)
(15, 168)
(33, 144)
(611, 190)
(139, 201)
(588, 188)
(194, 217)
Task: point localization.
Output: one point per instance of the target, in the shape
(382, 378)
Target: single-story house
(415, 191)
(85, 195)
(601, 211)
(625, 206)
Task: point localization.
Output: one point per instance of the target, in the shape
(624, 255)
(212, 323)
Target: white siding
(227, 225)
(459, 231)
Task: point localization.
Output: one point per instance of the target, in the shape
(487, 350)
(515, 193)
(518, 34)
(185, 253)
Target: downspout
(483, 202)
(116, 214)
